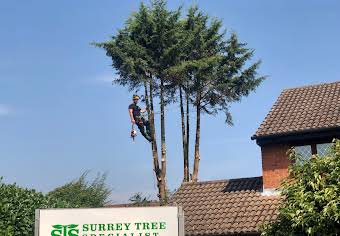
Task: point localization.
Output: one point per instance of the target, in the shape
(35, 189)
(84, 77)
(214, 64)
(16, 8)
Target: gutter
(298, 135)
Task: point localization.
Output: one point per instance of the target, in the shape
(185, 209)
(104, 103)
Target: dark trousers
(144, 127)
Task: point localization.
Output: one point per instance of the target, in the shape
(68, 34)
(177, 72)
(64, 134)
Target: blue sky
(60, 115)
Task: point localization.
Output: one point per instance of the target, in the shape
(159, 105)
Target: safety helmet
(135, 97)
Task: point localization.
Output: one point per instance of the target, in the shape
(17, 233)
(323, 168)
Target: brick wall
(275, 164)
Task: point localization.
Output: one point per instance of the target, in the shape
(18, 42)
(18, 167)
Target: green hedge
(17, 209)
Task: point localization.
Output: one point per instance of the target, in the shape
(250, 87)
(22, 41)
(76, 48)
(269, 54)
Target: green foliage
(161, 52)
(84, 193)
(312, 197)
(213, 69)
(18, 205)
(6, 231)
(142, 52)
(139, 200)
(146, 46)
(17, 209)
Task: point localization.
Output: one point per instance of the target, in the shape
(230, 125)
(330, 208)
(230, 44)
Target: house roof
(225, 207)
(309, 108)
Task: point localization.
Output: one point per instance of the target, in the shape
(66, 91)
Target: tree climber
(135, 115)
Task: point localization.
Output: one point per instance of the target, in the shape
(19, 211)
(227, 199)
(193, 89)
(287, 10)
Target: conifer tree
(166, 56)
(141, 53)
(213, 72)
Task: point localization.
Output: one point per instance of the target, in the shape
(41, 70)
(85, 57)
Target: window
(306, 151)
(323, 149)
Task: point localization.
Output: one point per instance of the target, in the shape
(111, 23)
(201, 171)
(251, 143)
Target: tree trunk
(197, 140)
(184, 139)
(156, 167)
(163, 145)
(146, 97)
(187, 133)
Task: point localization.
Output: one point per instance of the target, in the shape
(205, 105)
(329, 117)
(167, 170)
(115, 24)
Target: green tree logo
(65, 230)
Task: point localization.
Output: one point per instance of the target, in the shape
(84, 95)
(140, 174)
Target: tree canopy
(214, 70)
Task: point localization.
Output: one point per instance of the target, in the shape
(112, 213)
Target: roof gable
(303, 109)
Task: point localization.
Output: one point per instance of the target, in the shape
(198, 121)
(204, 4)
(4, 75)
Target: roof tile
(225, 207)
(303, 109)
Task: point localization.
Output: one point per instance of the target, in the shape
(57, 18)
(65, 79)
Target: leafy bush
(84, 193)
(17, 209)
(17, 205)
(8, 231)
(311, 204)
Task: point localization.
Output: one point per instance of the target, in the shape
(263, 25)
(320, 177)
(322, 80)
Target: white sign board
(130, 221)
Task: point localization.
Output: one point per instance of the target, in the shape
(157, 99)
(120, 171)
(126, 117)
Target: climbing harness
(139, 121)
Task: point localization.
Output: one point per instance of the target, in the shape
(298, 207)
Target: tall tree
(179, 82)
(214, 72)
(141, 53)
(165, 56)
(222, 79)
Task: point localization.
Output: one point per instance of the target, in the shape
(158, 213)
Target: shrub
(17, 209)
(84, 193)
(311, 204)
